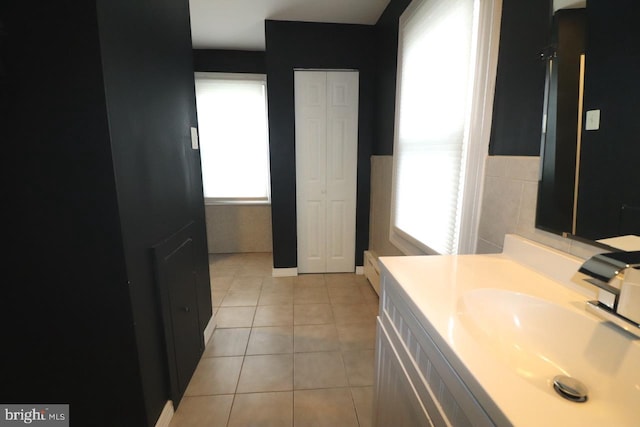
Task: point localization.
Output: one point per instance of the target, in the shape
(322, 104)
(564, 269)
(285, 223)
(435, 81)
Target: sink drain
(570, 388)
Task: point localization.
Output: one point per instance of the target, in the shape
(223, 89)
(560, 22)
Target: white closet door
(311, 147)
(326, 169)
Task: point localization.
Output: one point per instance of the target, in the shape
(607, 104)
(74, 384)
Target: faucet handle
(605, 267)
(629, 298)
(606, 271)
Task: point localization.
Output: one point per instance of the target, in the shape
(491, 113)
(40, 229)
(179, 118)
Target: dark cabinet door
(177, 280)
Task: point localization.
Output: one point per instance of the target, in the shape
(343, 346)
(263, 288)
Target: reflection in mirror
(590, 156)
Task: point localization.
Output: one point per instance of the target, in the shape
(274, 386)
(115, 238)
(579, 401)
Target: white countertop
(433, 287)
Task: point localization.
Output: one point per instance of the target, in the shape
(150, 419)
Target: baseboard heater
(372, 270)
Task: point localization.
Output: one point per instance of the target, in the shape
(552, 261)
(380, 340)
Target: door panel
(315, 239)
(314, 172)
(326, 169)
(311, 125)
(175, 276)
(342, 161)
(337, 230)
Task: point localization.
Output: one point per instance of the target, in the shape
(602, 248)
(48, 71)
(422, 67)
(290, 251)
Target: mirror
(589, 185)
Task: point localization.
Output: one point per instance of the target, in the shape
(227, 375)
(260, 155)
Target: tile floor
(293, 351)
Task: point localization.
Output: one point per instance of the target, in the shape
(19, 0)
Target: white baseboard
(209, 329)
(166, 415)
(284, 272)
(360, 269)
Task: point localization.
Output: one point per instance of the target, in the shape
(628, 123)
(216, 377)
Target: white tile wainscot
(434, 369)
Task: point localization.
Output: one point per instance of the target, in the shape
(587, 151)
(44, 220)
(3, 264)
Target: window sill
(237, 202)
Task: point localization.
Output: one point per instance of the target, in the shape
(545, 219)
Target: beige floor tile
(273, 372)
(318, 370)
(307, 338)
(227, 342)
(345, 295)
(324, 408)
(340, 280)
(262, 410)
(258, 258)
(260, 269)
(367, 289)
(310, 281)
(311, 295)
(235, 317)
(273, 315)
(203, 411)
(215, 375)
(369, 294)
(345, 290)
(359, 365)
(250, 283)
(217, 297)
(363, 400)
(312, 314)
(271, 340)
(278, 283)
(222, 283)
(353, 313)
(361, 279)
(233, 259)
(374, 306)
(221, 270)
(357, 336)
(276, 297)
(333, 339)
(240, 298)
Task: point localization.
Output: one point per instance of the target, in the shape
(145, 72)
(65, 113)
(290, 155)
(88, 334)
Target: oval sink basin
(538, 339)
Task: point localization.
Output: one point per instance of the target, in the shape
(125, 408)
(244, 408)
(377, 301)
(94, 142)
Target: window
(233, 130)
(447, 57)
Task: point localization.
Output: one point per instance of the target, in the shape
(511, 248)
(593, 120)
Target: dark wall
(66, 316)
(229, 61)
(519, 93)
(387, 66)
(149, 85)
(95, 128)
(610, 166)
(311, 45)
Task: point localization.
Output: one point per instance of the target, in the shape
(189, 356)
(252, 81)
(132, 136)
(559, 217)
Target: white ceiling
(239, 24)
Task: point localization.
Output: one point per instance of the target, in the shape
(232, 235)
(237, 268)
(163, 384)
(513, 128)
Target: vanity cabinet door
(397, 403)
(415, 383)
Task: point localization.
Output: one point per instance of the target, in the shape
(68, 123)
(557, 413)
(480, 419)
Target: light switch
(592, 121)
(194, 138)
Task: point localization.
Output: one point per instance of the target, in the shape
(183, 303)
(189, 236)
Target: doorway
(326, 121)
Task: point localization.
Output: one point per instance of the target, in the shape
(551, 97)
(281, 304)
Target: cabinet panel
(176, 278)
(402, 406)
(435, 383)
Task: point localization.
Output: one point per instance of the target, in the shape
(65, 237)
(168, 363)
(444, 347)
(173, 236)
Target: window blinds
(232, 122)
(435, 83)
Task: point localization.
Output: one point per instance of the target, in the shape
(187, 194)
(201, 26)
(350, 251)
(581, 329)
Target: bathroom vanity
(477, 340)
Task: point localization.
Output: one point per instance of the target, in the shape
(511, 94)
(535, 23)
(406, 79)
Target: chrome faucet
(617, 276)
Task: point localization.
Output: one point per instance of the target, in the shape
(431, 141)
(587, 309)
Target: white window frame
(479, 130)
(210, 201)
